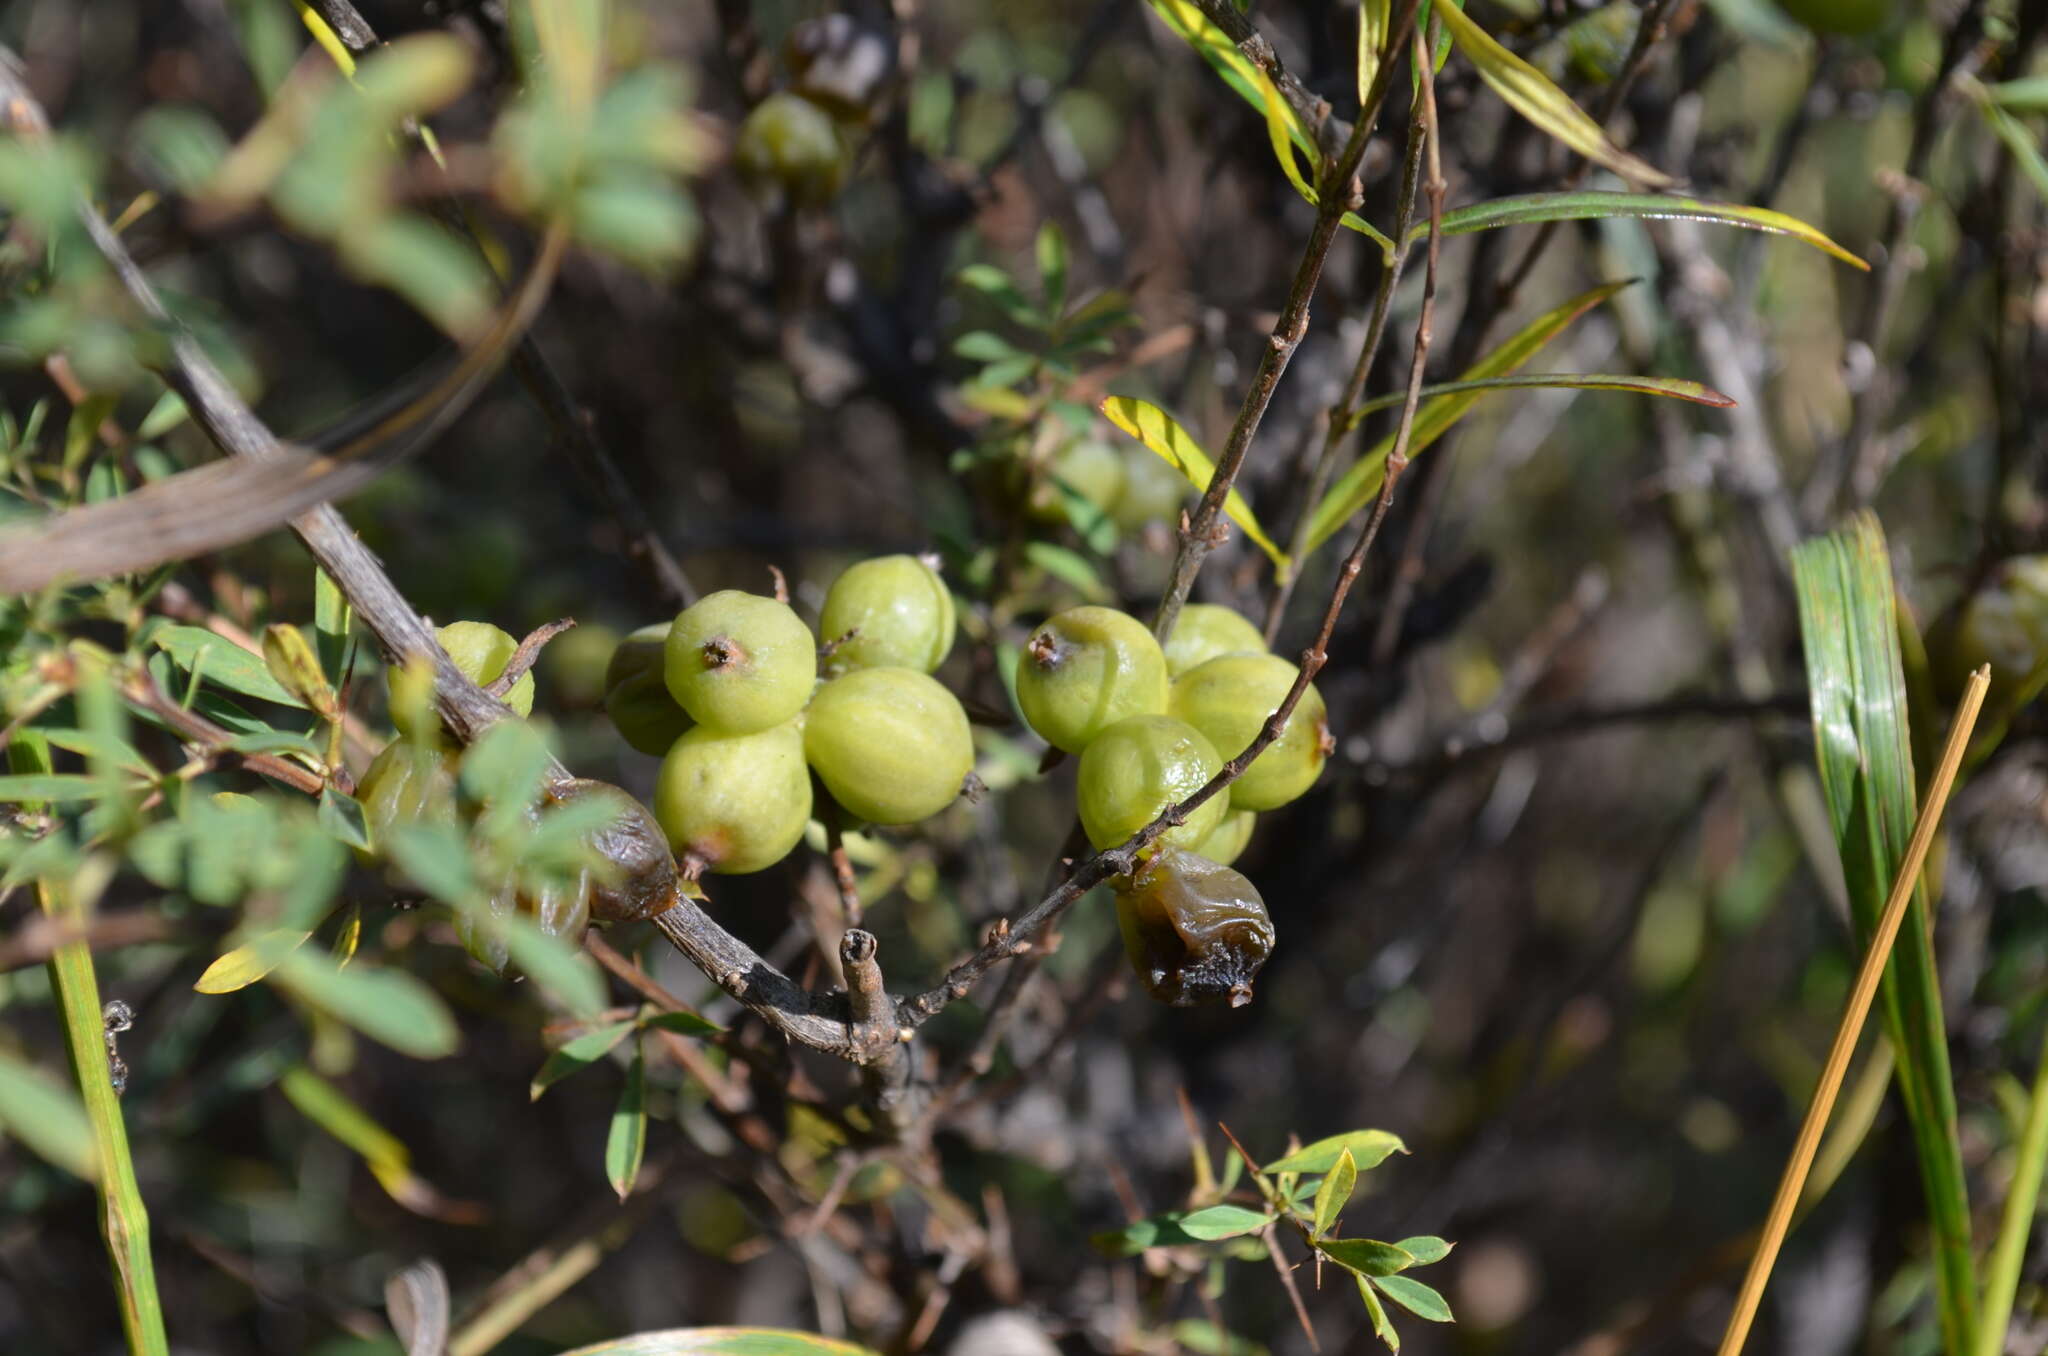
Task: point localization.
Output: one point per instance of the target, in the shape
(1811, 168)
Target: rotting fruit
(1229, 698)
(1139, 766)
(406, 784)
(739, 662)
(791, 143)
(1085, 669)
(734, 803)
(889, 612)
(636, 695)
(1194, 930)
(636, 878)
(891, 745)
(481, 651)
(1204, 631)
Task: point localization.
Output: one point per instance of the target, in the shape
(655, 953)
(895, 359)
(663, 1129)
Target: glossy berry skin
(1153, 491)
(406, 784)
(1138, 767)
(1230, 838)
(636, 695)
(897, 612)
(1194, 930)
(891, 745)
(1205, 631)
(481, 651)
(1085, 669)
(739, 662)
(640, 880)
(1229, 698)
(1092, 470)
(734, 803)
(791, 143)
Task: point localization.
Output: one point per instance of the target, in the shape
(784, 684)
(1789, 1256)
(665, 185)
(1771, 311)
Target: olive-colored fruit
(636, 695)
(739, 662)
(1230, 838)
(481, 651)
(1203, 631)
(1154, 492)
(1195, 931)
(1138, 767)
(635, 877)
(1086, 669)
(889, 612)
(734, 803)
(791, 143)
(891, 745)
(1229, 698)
(1092, 470)
(2003, 624)
(574, 664)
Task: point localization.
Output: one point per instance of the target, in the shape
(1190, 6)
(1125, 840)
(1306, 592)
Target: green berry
(890, 612)
(739, 662)
(406, 784)
(1229, 698)
(1194, 930)
(481, 651)
(1086, 669)
(1093, 471)
(636, 695)
(791, 143)
(734, 803)
(1139, 766)
(1230, 838)
(1203, 631)
(891, 745)
(1153, 491)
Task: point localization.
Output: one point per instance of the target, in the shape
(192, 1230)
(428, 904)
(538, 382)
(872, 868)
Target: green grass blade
(1848, 624)
(1591, 205)
(2022, 1199)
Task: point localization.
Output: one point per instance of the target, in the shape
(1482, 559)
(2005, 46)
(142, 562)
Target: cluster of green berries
(729, 695)
(1152, 726)
(416, 780)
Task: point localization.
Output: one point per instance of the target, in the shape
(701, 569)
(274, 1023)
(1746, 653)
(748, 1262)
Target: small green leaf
(1415, 1297)
(683, 1022)
(2026, 150)
(721, 1342)
(1375, 22)
(388, 1006)
(568, 975)
(985, 346)
(1593, 205)
(1159, 431)
(1069, 568)
(1335, 1191)
(245, 964)
(436, 858)
(348, 936)
(1368, 1149)
(1223, 1221)
(1366, 1256)
(46, 1116)
(341, 815)
(627, 1142)
(1156, 1231)
(56, 788)
(1425, 1248)
(1530, 93)
(290, 659)
(1675, 388)
(331, 618)
(1382, 1328)
(643, 220)
(1001, 291)
(222, 663)
(577, 1055)
(2026, 95)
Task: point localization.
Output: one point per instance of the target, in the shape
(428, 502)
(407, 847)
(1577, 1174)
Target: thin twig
(523, 658)
(1903, 884)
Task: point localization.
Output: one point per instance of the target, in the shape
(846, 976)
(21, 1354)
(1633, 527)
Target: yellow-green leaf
(47, 1116)
(1530, 93)
(1157, 430)
(1375, 19)
(626, 1144)
(1335, 1191)
(1594, 205)
(243, 966)
(292, 662)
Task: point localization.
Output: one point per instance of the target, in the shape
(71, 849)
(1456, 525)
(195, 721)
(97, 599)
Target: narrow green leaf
(1381, 1327)
(388, 1006)
(1415, 1297)
(577, 1055)
(249, 962)
(57, 788)
(2026, 95)
(1368, 1149)
(1001, 291)
(1674, 387)
(721, 1342)
(1159, 431)
(45, 1115)
(331, 619)
(1593, 205)
(567, 974)
(1335, 1191)
(328, 1107)
(168, 412)
(1366, 1256)
(985, 346)
(1156, 1231)
(683, 1023)
(1360, 483)
(222, 662)
(341, 815)
(1530, 93)
(1375, 22)
(1069, 568)
(102, 748)
(1425, 1248)
(1223, 1221)
(627, 1142)
(2026, 150)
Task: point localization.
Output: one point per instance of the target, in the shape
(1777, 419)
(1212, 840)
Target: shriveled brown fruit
(1195, 932)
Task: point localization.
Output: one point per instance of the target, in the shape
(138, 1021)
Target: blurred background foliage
(1563, 912)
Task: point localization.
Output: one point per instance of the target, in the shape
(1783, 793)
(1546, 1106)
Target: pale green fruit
(1228, 842)
(1229, 698)
(1204, 631)
(481, 651)
(739, 662)
(1139, 766)
(898, 612)
(1092, 470)
(734, 803)
(1085, 669)
(1154, 492)
(636, 695)
(891, 745)
(790, 142)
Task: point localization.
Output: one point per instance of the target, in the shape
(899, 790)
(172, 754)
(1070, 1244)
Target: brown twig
(214, 741)
(523, 658)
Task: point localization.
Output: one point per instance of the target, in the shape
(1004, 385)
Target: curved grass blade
(2026, 95)
(1593, 204)
(1530, 93)
(1674, 387)
(1159, 431)
(722, 1342)
(1359, 484)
